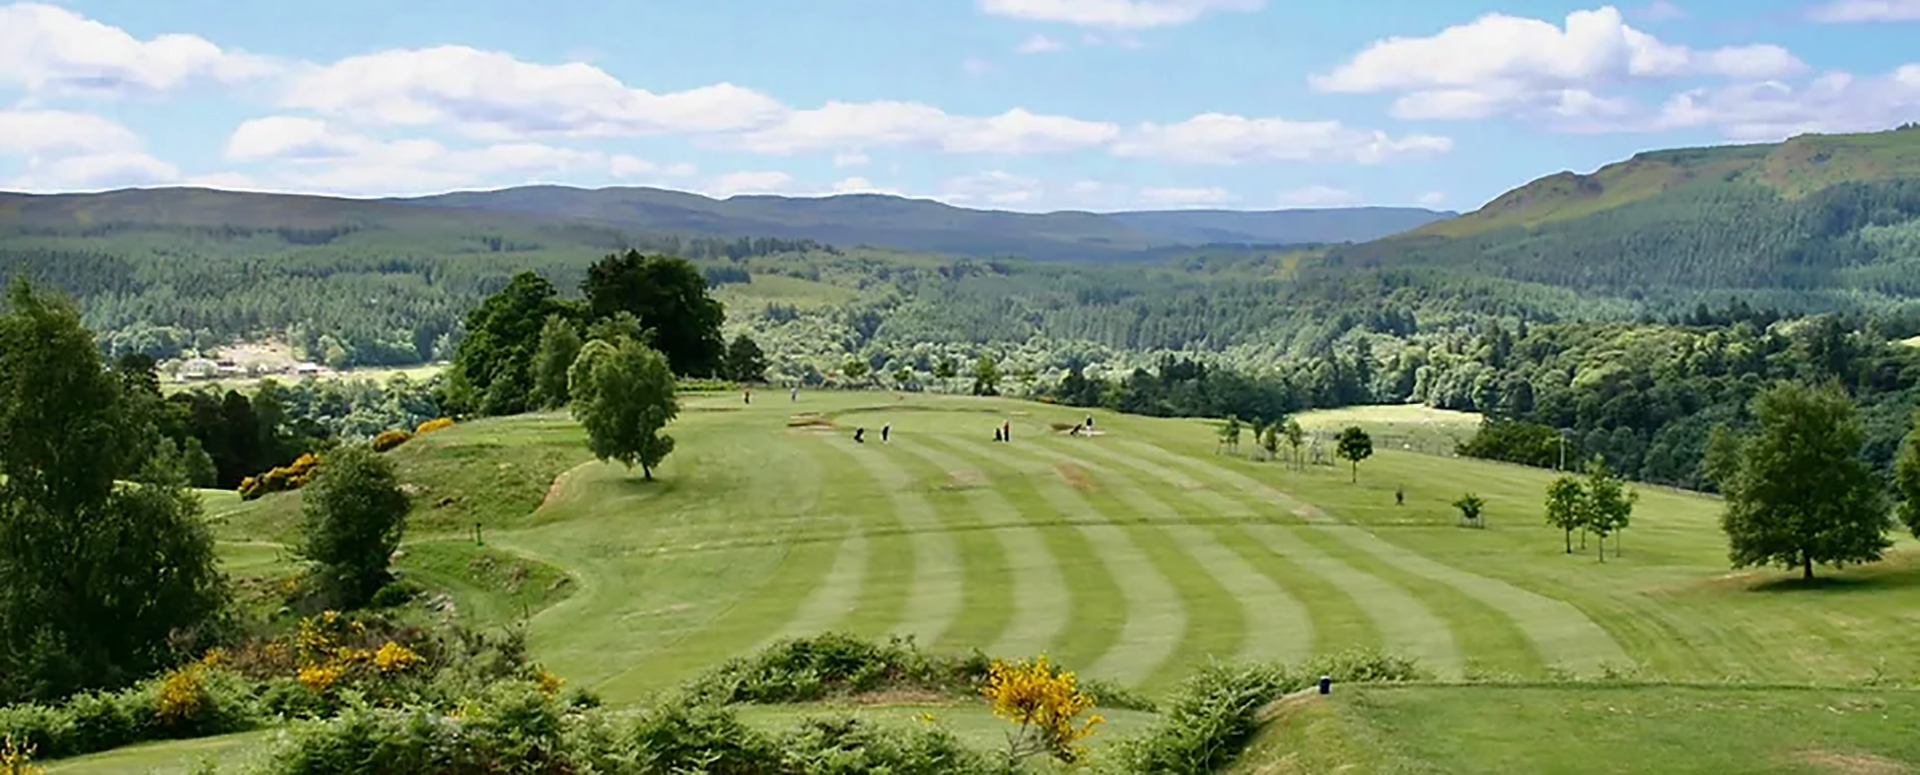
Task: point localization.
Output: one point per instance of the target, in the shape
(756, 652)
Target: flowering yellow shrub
(17, 759)
(395, 657)
(433, 425)
(182, 695)
(549, 683)
(320, 677)
(389, 439)
(1046, 702)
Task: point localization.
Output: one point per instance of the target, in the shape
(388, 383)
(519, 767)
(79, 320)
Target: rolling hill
(927, 225)
(1816, 215)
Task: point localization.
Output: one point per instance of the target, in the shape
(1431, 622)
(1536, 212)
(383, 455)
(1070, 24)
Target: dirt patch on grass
(1851, 763)
(553, 490)
(810, 421)
(1075, 476)
(962, 480)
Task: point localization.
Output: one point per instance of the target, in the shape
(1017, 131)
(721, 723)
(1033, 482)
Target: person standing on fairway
(885, 431)
(793, 393)
(1006, 431)
(859, 435)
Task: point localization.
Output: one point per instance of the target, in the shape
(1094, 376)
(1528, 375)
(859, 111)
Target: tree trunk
(1356, 472)
(1600, 541)
(1806, 566)
(646, 471)
(1569, 540)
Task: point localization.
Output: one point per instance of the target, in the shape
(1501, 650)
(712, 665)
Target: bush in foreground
(1213, 714)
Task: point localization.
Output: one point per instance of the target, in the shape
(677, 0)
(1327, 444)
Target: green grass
(1911, 341)
(1580, 729)
(1131, 556)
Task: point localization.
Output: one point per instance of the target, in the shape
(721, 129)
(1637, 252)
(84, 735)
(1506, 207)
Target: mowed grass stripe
(1152, 619)
(1025, 583)
(1277, 624)
(1404, 625)
(1259, 491)
(829, 603)
(933, 594)
(1563, 635)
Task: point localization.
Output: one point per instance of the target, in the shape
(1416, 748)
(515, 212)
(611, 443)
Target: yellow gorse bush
(395, 657)
(433, 425)
(1046, 702)
(17, 759)
(549, 683)
(182, 695)
(320, 677)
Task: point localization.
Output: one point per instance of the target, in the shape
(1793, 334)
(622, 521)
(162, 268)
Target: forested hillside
(1817, 222)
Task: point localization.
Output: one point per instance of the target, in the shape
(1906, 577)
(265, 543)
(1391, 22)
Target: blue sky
(1011, 104)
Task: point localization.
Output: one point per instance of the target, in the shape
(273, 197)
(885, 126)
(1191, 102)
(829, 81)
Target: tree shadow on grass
(1898, 571)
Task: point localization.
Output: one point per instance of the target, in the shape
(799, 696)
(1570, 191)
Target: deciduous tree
(1295, 436)
(745, 362)
(355, 514)
(1609, 505)
(667, 295)
(1354, 446)
(623, 393)
(95, 578)
(559, 346)
(986, 376)
(1566, 506)
(1799, 494)
(1906, 478)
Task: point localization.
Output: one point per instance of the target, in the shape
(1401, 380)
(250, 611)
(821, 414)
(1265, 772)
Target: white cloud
(1040, 44)
(93, 172)
(1317, 196)
(1508, 64)
(860, 185)
(1857, 11)
(496, 96)
(1223, 139)
(1433, 199)
(1186, 197)
(850, 159)
(768, 182)
(51, 49)
(858, 125)
(994, 188)
(314, 155)
(1833, 102)
(1117, 14)
(34, 132)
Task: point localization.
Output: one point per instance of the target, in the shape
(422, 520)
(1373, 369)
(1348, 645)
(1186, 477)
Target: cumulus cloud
(34, 132)
(316, 155)
(1833, 102)
(1857, 11)
(1218, 138)
(493, 95)
(1508, 64)
(1115, 14)
(93, 172)
(858, 125)
(860, 185)
(45, 48)
(994, 188)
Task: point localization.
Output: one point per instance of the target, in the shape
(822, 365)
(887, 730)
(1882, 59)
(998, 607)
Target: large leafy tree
(355, 516)
(98, 581)
(1798, 493)
(1354, 445)
(1906, 477)
(745, 362)
(492, 372)
(667, 295)
(559, 346)
(623, 394)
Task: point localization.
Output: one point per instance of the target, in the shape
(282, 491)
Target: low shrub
(193, 701)
(388, 440)
(705, 385)
(16, 759)
(292, 476)
(837, 665)
(438, 423)
(1214, 713)
(844, 744)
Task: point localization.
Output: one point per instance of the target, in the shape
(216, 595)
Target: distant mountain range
(848, 220)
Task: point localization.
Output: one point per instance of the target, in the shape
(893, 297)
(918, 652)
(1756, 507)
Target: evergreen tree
(745, 362)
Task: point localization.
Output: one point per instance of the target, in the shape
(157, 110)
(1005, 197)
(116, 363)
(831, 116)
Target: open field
(247, 384)
(1134, 556)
